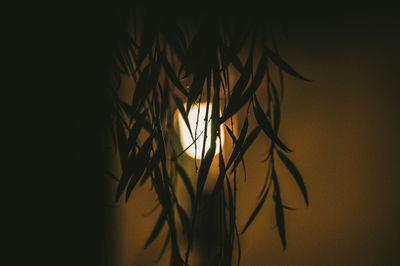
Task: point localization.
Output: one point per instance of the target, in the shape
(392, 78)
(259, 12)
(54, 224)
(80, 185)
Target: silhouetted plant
(169, 61)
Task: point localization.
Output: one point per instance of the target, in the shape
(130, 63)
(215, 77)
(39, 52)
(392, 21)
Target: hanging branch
(158, 54)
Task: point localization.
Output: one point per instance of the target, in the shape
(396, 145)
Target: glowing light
(185, 136)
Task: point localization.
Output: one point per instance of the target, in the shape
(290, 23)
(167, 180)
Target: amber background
(343, 128)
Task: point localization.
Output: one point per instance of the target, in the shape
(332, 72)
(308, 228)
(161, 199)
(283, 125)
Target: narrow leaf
(184, 115)
(146, 42)
(157, 229)
(256, 210)
(231, 134)
(266, 126)
(152, 164)
(195, 90)
(247, 143)
(239, 143)
(171, 73)
(220, 180)
(111, 175)
(279, 215)
(295, 173)
(235, 101)
(134, 133)
(204, 169)
(122, 143)
(141, 162)
(186, 181)
(166, 241)
(258, 77)
(277, 112)
(282, 64)
(142, 86)
(185, 221)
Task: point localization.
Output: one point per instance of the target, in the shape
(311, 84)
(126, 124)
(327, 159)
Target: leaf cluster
(174, 67)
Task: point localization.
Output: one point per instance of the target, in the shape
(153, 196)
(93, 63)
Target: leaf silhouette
(295, 173)
(258, 77)
(150, 167)
(277, 107)
(235, 101)
(184, 220)
(184, 115)
(268, 174)
(134, 133)
(279, 216)
(231, 57)
(161, 48)
(220, 180)
(282, 64)
(239, 143)
(111, 175)
(186, 182)
(122, 143)
(256, 210)
(157, 229)
(231, 134)
(142, 86)
(247, 143)
(170, 72)
(166, 241)
(204, 169)
(266, 126)
(195, 90)
(146, 44)
(190, 145)
(140, 165)
(175, 38)
(165, 102)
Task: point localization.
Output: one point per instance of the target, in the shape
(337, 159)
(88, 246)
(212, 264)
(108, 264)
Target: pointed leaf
(239, 143)
(231, 134)
(247, 143)
(195, 90)
(170, 72)
(186, 182)
(185, 221)
(204, 169)
(175, 38)
(157, 229)
(282, 64)
(295, 173)
(277, 112)
(152, 164)
(266, 126)
(220, 180)
(142, 159)
(265, 182)
(235, 101)
(122, 143)
(258, 78)
(147, 42)
(111, 175)
(141, 87)
(166, 241)
(256, 210)
(184, 115)
(134, 133)
(279, 215)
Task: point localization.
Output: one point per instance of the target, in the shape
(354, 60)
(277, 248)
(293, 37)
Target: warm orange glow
(185, 137)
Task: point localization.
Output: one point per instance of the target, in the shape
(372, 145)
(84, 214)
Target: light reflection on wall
(197, 124)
